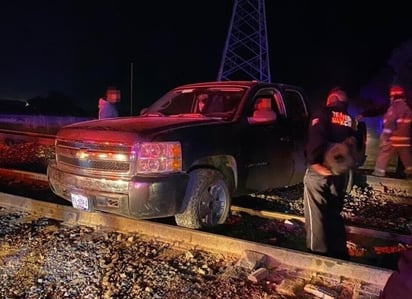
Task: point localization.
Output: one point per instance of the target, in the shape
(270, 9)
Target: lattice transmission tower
(246, 52)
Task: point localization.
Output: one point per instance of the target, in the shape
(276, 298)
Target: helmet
(336, 95)
(396, 91)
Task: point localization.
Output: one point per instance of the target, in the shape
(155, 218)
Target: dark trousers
(323, 203)
(400, 169)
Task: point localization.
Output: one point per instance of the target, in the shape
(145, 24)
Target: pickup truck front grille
(89, 156)
(96, 165)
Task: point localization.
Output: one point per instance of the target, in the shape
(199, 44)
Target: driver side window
(265, 109)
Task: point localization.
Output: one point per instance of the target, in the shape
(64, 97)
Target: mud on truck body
(175, 160)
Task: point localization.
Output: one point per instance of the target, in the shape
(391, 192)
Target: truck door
(269, 148)
(296, 126)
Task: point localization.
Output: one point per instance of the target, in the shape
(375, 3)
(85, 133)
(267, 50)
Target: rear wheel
(207, 200)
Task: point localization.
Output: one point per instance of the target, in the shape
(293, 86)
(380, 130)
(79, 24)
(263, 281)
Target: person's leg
(405, 156)
(336, 232)
(314, 211)
(400, 168)
(385, 153)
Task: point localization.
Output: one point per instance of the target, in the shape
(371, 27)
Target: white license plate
(80, 202)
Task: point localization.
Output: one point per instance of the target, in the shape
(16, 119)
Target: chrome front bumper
(140, 197)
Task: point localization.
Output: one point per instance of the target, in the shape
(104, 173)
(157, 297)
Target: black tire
(207, 200)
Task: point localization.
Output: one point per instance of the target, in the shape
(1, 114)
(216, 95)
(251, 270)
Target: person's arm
(373, 111)
(389, 123)
(317, 144)
(321, 170)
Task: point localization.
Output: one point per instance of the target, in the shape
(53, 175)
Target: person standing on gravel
(396, 134)
(380, 111)
(331, 133)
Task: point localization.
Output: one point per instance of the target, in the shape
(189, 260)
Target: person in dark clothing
(324, 186)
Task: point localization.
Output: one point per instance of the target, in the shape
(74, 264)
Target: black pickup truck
(187, 154)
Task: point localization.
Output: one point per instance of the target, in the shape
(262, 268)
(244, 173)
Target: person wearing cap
(331, 130)
(396, 134)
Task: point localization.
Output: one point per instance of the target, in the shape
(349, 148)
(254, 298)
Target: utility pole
(131, 88)
(246, 52)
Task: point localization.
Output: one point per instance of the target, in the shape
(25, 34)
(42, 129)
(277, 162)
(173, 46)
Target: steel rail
(352, 229)
(365, 231)
(21, 137)
(188, 238)
(25, 133)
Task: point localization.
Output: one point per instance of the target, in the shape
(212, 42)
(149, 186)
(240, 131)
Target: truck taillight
(159, 157)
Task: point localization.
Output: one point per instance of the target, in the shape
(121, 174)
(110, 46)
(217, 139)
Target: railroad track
(378, 241)
(13, 136)
(368, 232)
(364, 231)
(210, 241)
(366, 276)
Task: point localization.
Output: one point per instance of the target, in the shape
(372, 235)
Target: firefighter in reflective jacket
(396, 134)
(325, 179)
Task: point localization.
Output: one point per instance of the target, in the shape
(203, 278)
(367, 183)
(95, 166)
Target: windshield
(221, 102)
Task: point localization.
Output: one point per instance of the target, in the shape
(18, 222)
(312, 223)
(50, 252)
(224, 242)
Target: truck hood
(128, 129)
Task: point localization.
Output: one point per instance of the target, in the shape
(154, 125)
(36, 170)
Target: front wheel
(207, 200)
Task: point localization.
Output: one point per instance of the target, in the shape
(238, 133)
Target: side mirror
(144, 110)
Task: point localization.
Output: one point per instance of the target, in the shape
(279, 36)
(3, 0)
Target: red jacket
(397, 123)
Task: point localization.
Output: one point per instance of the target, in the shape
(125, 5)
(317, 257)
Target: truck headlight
(159, 157)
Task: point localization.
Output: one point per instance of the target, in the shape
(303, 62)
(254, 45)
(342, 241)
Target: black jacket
(328, 125)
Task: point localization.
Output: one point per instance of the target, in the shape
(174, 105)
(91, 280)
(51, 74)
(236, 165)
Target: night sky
(78, 48)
